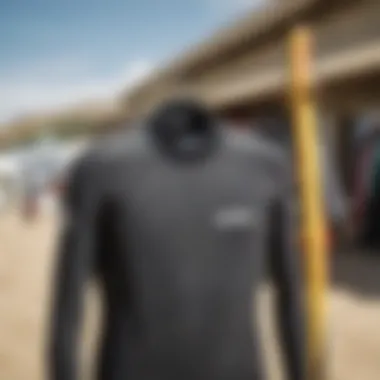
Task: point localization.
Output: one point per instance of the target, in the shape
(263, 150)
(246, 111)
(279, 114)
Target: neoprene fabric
(180, 246)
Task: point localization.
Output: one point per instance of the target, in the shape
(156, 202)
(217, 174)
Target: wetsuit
(179, 227)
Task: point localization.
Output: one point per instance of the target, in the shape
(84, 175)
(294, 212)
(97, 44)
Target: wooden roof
(250, 29)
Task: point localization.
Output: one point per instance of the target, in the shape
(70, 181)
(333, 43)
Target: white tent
(10, 179)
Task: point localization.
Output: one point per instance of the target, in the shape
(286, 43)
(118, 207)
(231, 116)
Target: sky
(57, 53)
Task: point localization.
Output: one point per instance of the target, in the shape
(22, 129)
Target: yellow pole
(312, 210)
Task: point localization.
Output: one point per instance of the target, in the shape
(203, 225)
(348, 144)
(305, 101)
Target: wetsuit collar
(184, 131)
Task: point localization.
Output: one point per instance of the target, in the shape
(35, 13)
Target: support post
(305, 135)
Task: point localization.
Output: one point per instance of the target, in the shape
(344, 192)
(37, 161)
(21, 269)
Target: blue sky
(56, 53)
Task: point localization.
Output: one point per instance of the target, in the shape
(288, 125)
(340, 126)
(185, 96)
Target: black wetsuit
(179, 232)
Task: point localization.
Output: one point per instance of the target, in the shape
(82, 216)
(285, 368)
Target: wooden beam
(313, 223)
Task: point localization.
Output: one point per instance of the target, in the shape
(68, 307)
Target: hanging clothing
(368, 224)
(362, 183)
(375, 177)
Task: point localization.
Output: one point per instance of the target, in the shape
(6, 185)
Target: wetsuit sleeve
(75, 260)
(286, 274)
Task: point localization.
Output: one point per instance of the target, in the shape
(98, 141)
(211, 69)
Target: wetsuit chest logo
(235, 218)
